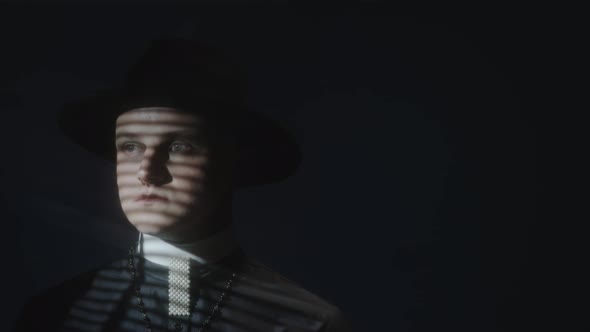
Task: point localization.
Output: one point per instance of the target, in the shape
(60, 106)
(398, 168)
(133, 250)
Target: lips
(151, 198)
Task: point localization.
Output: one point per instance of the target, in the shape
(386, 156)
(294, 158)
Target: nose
(153, 170)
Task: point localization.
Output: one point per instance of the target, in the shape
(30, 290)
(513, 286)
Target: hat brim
(267, 152)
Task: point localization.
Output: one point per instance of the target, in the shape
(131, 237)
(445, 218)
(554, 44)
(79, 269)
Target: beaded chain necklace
(177, 326)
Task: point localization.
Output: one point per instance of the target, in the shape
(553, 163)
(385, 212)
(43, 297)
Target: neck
(205, 241)
(205, 226)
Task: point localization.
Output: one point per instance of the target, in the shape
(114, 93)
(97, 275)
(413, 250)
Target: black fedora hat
(196, 78)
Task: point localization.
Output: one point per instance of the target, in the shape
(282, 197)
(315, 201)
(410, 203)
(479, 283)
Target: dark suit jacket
(104, 300)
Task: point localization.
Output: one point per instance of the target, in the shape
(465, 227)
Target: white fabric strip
(179, 286)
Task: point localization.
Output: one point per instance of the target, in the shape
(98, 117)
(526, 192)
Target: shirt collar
(204, 251)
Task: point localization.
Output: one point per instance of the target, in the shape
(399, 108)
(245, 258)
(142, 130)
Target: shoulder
(263, 284)
(46, 310)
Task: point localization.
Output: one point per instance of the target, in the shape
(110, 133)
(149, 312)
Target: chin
(154, 227)
(149, 229)
(161, 224)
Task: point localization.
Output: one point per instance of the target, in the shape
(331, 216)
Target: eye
(131, 148)
(180, 147)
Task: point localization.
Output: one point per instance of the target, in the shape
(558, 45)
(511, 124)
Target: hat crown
(181, 69)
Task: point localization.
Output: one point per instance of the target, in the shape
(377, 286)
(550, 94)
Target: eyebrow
(179, 134)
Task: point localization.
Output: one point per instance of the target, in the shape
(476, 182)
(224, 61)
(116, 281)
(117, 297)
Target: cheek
(190, 186)
(128, 189)
(188, 178)
(127, 173)
(186, 193)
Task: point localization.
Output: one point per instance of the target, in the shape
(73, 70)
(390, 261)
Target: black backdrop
(415, 206)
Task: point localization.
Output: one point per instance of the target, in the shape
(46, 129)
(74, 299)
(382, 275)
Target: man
(182, 141)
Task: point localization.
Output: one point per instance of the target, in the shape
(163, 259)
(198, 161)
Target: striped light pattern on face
(161, 153)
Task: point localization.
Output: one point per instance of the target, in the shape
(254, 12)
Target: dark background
(415, 206)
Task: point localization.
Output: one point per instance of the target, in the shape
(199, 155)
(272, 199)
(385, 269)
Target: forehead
(158, 115)
(157, 120)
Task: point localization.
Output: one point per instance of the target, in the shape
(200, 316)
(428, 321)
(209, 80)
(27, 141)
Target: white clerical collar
(204, 251)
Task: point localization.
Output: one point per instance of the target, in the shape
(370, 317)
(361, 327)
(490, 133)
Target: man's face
(170, 173)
